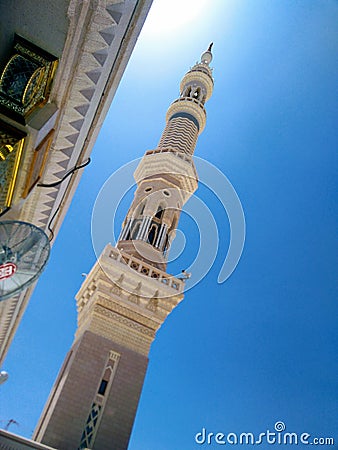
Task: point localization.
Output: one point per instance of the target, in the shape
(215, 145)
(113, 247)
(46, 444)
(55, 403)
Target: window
(88, 433)
(103, 387)
(98, 405)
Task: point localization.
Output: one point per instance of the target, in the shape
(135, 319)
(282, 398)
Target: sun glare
(168, 15)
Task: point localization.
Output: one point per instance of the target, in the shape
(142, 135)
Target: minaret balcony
(191, 99)
(159, 164)
(180, 155)
(119, 269)
(169, 285)
(199, 75)
(202, 68)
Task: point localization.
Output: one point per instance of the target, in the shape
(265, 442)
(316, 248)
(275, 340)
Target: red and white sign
(7, 270)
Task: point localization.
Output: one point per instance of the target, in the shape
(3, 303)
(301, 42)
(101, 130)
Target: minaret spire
(206, 57)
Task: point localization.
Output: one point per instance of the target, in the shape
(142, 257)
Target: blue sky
(261, 347)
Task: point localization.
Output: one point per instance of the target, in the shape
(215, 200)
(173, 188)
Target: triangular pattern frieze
(87, 93)
(53, 194)
(42, 223)
(72, 138)
(46, 212)
(60, 174)
(101, 56)
(108, 35)
(49, 204)
(82, 109)
(94, 75)
(63, 164)
(115, 15)
(77, 124)
(67, 151)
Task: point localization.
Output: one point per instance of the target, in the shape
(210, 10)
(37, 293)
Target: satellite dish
(24, 252)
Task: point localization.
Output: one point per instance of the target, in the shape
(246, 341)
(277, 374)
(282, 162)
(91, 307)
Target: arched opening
(197, 93)
(139, 209)
(152, 234)
(159, 213)
(187, 92)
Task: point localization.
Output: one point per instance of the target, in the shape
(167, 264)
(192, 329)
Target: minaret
(128, 293)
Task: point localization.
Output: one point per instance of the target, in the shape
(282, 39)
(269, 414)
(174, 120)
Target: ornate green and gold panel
(26, 80)
(11, 145)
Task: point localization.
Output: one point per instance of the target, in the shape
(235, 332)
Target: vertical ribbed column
(125, 230)
(161, 235)
(144, 228)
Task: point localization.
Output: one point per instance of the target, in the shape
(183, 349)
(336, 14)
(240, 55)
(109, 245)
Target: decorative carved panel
(26, 80)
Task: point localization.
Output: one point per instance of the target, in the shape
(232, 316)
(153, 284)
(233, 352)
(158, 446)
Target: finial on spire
(206, 57)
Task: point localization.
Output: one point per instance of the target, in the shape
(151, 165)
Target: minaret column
(161, 236)
(125, 229)
(128, 294)
(144, 228)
